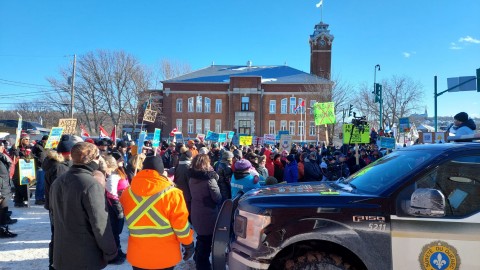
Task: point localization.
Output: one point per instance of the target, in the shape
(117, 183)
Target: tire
(317, 260)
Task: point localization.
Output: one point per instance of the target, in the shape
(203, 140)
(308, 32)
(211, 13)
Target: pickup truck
(415, 208)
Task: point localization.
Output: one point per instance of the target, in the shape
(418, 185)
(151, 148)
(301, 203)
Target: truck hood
(305, 195)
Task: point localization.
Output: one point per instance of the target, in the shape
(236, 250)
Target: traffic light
(378, 92)
(350, 110)
(478, 79)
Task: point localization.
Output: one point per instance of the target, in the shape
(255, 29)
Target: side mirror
(427, 202)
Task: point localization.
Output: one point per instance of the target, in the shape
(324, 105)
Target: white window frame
(271, 127)
(293, 104)
(301, 128)
(190, 126)
(199, 104)
(283, 124)
(284, 106)
(198, 126)
(312, 129)
(191, 101)
(291, 127)
(206, 125)
(218, 125)
(218, 106)
(179, 105)
(208, 105)
(179, 124)
(272, 107)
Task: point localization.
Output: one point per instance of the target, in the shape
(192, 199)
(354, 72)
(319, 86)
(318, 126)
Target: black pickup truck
(416, 208)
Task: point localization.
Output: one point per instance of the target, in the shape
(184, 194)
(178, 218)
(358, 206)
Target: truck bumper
(238, 262)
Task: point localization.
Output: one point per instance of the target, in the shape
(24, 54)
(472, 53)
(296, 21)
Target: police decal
(439, 255)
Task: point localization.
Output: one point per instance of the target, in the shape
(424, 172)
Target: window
(207, 105)
(179, 105)
(178, 123)
(283, 125)
(273, 107)
(245, 104)
(293, 104)
(206, 125)
(271, 127)
(198, 126)
(283, 106)
(218, 125)
(218, 106)
(190, 104)
(301, 128)
(311, 130)
(199, 104)
(291, 128)
(190, 126)
(312, 105)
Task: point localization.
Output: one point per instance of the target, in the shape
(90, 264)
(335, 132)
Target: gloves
(188, 251)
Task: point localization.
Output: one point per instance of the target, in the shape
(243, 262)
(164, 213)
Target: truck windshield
(383, 173)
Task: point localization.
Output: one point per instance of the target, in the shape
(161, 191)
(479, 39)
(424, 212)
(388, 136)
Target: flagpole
(301, 114)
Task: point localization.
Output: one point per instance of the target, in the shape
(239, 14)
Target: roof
(269, 75)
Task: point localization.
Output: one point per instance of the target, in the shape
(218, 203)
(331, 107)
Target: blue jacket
(244, 184)
(290, 174)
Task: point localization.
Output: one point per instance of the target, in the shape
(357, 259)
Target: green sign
(324, 113)
(352, 134)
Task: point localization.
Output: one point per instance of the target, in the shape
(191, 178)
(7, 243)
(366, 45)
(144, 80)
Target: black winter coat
(53, 166)
(312, 171)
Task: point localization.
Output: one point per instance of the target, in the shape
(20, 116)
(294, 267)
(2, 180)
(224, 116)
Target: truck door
(449, 241)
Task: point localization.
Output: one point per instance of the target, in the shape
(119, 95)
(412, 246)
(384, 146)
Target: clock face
(322, 43)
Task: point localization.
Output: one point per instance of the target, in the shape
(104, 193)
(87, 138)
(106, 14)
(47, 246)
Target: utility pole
(72, 100)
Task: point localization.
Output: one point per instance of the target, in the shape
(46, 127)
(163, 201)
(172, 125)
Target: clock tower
(321, 51)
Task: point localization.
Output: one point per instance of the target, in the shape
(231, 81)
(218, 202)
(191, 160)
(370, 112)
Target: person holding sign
(23, 152)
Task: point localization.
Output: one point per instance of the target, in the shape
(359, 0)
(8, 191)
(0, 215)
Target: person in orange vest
(157, 218)
(192, 147)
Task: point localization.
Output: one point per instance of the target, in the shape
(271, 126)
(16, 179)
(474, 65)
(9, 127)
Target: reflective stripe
(145, 206)
(182, 233)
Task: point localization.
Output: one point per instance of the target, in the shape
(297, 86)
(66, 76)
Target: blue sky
(418, 39)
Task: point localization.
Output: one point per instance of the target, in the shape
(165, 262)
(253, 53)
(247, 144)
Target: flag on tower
(319, 4)
(103, 132)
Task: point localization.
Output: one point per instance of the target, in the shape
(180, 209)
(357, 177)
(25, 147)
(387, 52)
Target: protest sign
(324, 113)
(387, 142)
(149, 115)
(352, 134)
(141, 142)
(69, 125)
(26, 171)
(222, 137)
(269, 139)
(54, 137)
(156, 137)
(286, 142)
(245, 140)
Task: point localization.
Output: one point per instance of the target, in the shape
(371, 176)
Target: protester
(278, 167)
(224, 170)
(134, 165)
(290, 174)
(262, 170)
(206, 199)
(24, 151)
(181, 175)
(462, 125)
(191, 146)
(244, 178)
(83, 238)
(5, 191)
(153, 201)
(39, 154)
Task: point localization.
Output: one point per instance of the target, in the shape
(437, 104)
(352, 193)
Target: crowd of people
(165, 194)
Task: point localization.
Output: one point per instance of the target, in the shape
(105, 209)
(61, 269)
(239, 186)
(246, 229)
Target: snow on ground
(29, 250)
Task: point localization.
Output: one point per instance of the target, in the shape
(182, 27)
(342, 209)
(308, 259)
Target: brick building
(249, 99)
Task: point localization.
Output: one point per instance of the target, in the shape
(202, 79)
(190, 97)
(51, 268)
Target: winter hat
(237, 154)
(227, 155)
(191, 142)
(187, 155)
(65, 145)
(291, 158)
(461, 117)
(153, 163)
(183, 149)
(102, 143)
(242, 165)
(122, 144)
(84, 153)
(122, 184)
(203, 150)
(44, 137)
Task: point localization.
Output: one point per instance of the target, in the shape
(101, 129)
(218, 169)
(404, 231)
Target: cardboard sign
(324, 113)
(69, 125)
(54, 137)
(245, 140)
(286, 142)
(26, 171)
(269, 139)
(440, 137)
(149, 115)
(355, 136)
(156, 138)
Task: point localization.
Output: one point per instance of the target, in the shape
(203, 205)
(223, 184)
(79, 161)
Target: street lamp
(377, 67)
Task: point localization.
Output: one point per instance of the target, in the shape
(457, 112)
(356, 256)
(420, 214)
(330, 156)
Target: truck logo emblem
(439, 255)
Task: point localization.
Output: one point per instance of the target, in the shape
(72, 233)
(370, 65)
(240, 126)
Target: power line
(43, 92)
(33, 84)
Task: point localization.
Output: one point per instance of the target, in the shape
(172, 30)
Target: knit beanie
(227, 155)
(153, 163)
(461, 117)
(65, 145)
(242, 165)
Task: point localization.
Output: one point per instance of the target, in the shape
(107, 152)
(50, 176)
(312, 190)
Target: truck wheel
(316, 260)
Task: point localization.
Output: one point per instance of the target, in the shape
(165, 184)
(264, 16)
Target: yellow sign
(69, 125)
(357, 135)
(439, 255)
(324, 113)
(246, 140)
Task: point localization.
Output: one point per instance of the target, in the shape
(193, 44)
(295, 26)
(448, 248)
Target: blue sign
(156, 138)
(222, 137)
(388, 143)
(141, 142)
(282, 132)
(211, 136)
(179, 137)
(230, 134)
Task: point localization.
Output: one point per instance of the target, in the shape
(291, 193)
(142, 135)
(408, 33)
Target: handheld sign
(222, 137)
(286, 142)
(54, 137)
(245, 140)
(269, 139)
(156, 138)
(352, 134)
(69, 125)
(324, 113)
(149, 115)
(388, 143)
(141, 142)
(26, 171)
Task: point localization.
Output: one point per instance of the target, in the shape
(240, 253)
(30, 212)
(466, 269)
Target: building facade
(249, 99)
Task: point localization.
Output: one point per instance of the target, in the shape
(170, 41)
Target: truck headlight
(249, 228)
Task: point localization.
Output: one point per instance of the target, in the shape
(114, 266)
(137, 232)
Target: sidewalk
(29, 250)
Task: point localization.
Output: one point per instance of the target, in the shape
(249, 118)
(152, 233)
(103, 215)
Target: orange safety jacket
(157, 219)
